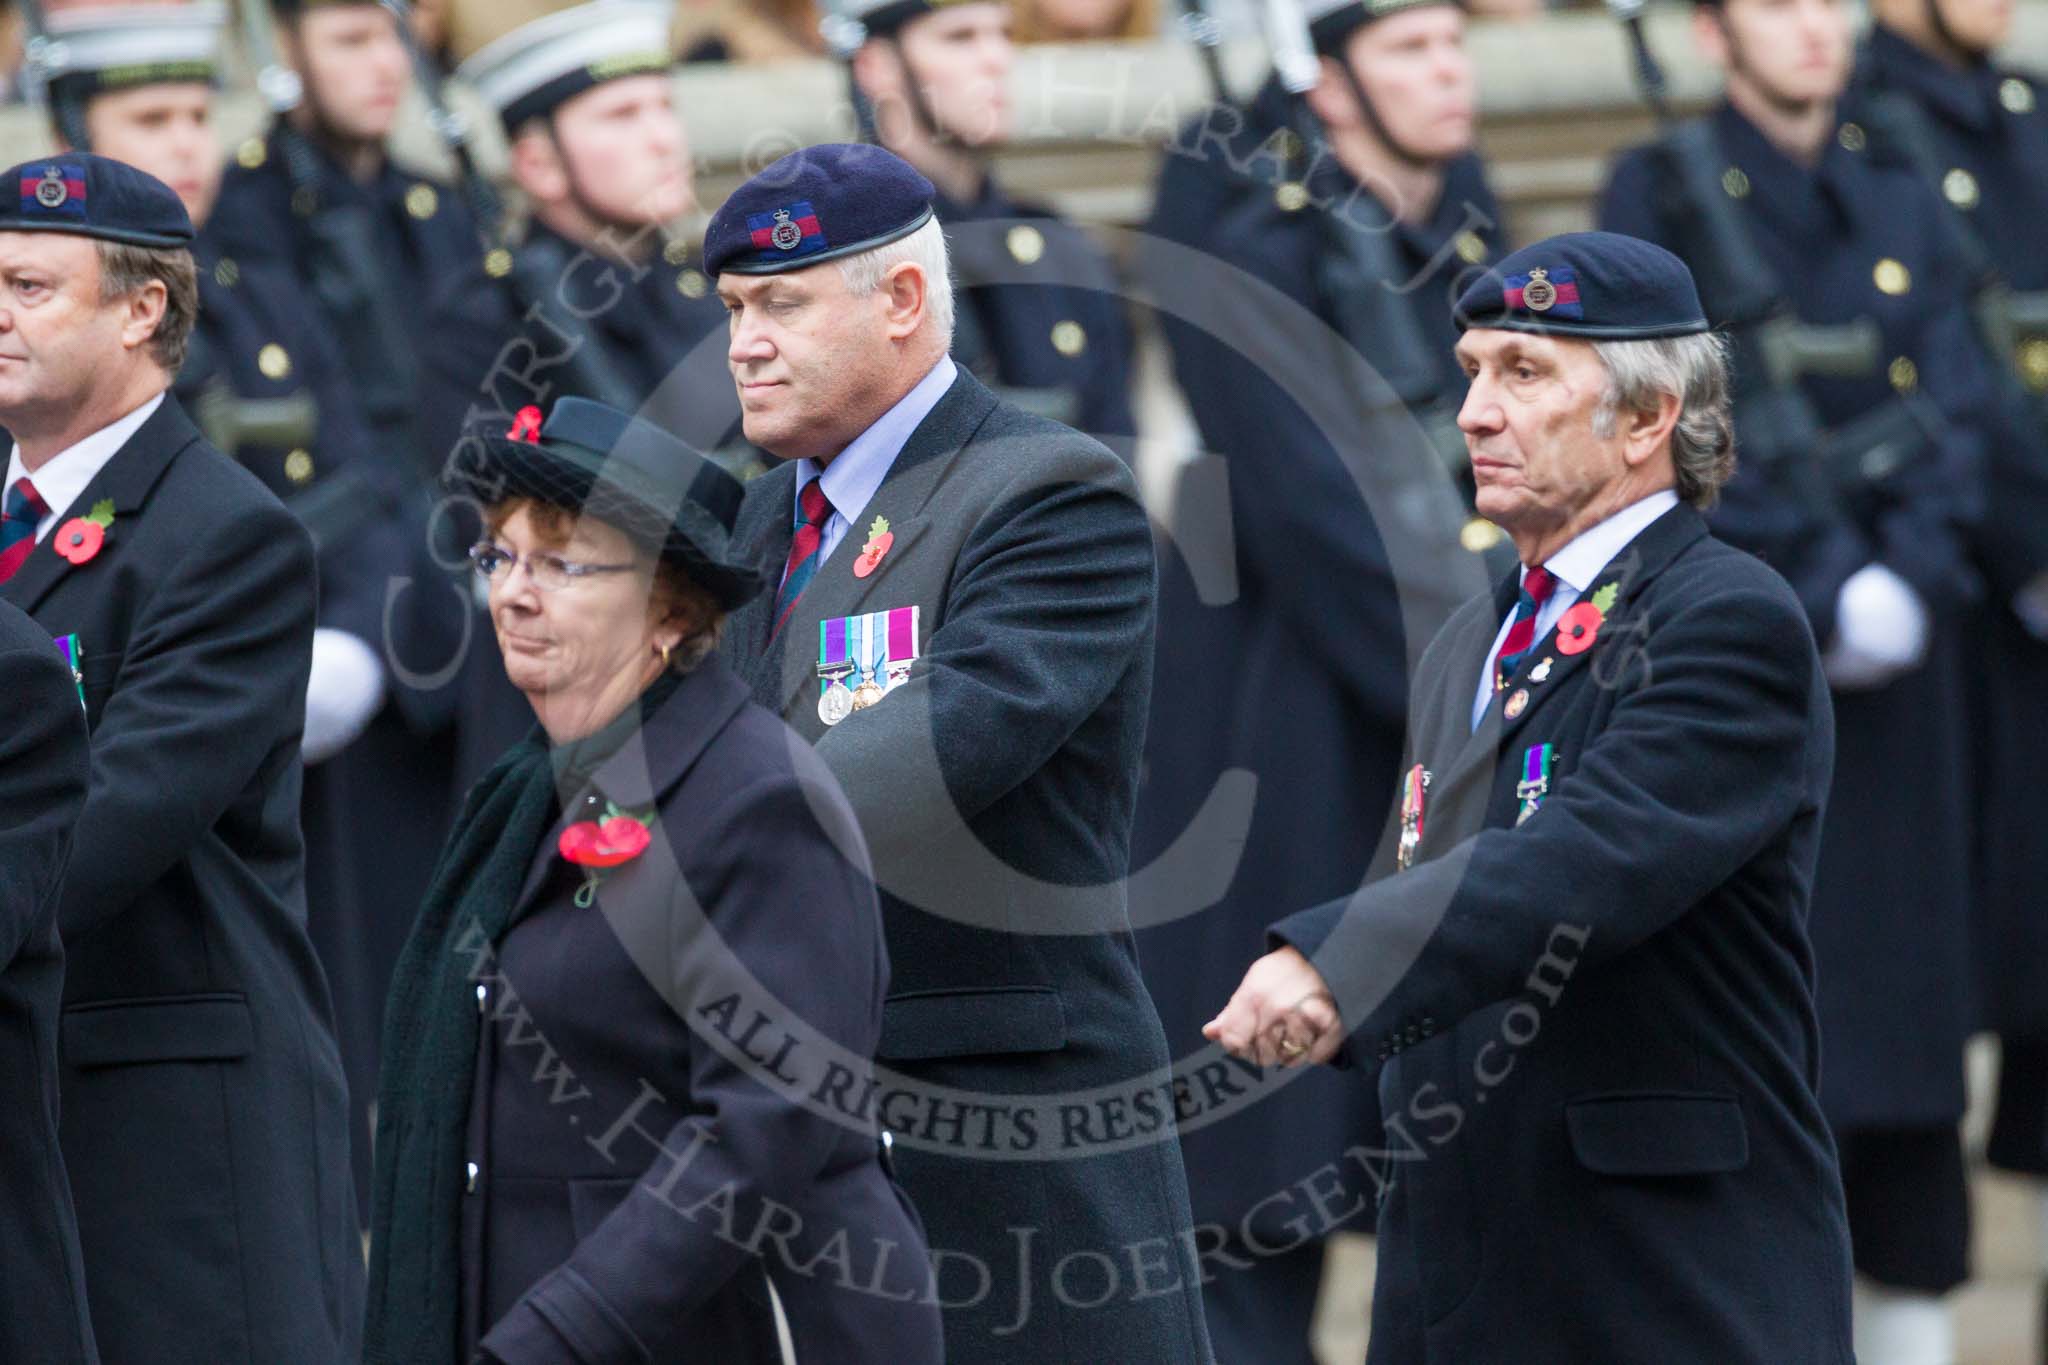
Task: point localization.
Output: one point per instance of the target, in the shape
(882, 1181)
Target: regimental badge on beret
(1544, 290)
(794, 228)
(58, 189)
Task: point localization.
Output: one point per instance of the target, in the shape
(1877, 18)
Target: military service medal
(835, 699)
(1535, 783)
(869, 648)
(862, 659)
(902, 646)
(74, 659)
(1413, 788)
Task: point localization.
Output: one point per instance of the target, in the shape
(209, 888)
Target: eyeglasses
(550, 573)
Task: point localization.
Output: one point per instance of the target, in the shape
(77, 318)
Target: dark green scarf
(413, 1315)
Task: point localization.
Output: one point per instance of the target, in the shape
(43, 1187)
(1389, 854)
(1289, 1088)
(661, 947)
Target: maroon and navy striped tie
(803, 551)
(20, 510)
(1537, 585)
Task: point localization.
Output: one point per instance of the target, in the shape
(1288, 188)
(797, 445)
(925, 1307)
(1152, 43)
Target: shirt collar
(66, 474)
(852, 477)
(1580, 562)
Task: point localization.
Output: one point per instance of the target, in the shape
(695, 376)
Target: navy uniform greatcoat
(43, 771)
(1054, 338)
(1988, 132)
(1594, 1031)
(1300, 679)
(995, 788)
(424, 233)
(1857, 237)
(260, 338)
(402, 769)
(576, 1246)
(205, 1119)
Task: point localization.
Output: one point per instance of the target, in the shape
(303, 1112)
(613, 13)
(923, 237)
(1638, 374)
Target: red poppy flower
(526, 424)
(1578, 628)
(618, 840)
(79, 540)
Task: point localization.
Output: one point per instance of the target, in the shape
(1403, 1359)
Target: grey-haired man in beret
(1581, 974)
(204, 1116)
(961, 622)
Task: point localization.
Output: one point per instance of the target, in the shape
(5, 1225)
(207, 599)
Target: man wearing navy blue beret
(961, 621)
(1580, 969)
(1889, 505)
(204, 1117)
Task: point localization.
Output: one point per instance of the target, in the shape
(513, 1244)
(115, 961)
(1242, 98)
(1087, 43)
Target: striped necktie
(1537, 585)
(804, 551)
(20, 510)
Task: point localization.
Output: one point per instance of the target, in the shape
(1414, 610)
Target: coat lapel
(125, 480)
(762, 533)
(1639, 562)
(778, 671)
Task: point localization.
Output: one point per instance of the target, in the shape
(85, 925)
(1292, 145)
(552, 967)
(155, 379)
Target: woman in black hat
(625, 1111)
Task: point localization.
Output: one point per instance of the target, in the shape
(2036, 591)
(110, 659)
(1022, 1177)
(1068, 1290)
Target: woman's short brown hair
(674, 592)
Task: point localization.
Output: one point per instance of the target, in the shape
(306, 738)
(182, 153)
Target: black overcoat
(649, 1159)
(995, 788)
(205, 1119)
(43, 771)
(1594, 1029)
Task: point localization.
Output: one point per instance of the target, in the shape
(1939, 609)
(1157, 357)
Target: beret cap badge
(785, 235)
(51, 191)
(1539, 294)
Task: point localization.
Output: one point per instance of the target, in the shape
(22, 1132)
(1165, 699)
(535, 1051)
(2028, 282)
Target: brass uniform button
(1068, 338)
(1734, 183)
(422, 201)
(675, 252)
(1851, 136)
(691, 284)
(1959, 187)
(1904, 374)
(226, 273)
(2016, 95)
(298, 466)
(497, 263)
(1026, 244)
(2033, 362)
(1470, 246)
(274, 361)
(252, 154)
(1479, 535)
(1291, 196)
(1891, 277)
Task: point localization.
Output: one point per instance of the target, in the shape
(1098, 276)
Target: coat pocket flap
(934, 1024)
(1658, 1134)
(185, 1028)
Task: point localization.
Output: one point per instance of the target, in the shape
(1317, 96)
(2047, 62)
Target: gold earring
(664, 654)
